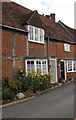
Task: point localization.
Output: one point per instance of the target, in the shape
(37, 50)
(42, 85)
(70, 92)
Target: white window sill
(67, 51)
(70, 71)
(36, 42)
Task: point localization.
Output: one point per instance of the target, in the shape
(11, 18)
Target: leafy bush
(5, 83)
(7, 95)
(20, 74)
(45, 81)
(16, 86)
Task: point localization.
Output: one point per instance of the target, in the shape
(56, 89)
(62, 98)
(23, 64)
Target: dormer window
(67, 47)
(35, 34)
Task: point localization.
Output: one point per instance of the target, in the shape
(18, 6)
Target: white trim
(14, 28)
(67, 47)
(33, 39)
(56, 67)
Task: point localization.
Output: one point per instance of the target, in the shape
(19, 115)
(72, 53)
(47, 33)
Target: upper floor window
(67, 47)
(35, 34)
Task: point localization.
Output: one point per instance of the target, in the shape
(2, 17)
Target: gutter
(61, 40)
(14, 28)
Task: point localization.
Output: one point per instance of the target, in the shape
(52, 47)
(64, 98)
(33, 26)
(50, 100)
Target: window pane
(69, 66)
(38, 67)
(30, 66)
(74, 65)
(44, 67)
(36, 34)
(67, 47)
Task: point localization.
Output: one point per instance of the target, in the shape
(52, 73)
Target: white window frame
(35, 64)
(40, 34)
(67, 47)
(72, 66)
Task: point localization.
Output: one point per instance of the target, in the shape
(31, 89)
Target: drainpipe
(48, 47)
(48, 53)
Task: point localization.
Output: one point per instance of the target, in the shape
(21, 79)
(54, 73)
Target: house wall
(51, 48)
(13, 50)
(7, 68)
(6, 43)
(56, 50)
(62, 55)
(20, 45)
(15, 47)
(36, 49)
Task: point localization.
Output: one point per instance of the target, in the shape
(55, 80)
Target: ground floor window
(39, 66)
(71, 66)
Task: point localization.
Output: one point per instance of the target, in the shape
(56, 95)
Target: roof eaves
(60, 40)
(14, 28)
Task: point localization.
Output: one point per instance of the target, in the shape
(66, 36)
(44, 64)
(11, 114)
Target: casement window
(71, 66)
(67, 47)
(35, 34)
(39, 66)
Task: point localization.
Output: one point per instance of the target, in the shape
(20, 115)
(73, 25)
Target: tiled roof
(17, 16)
(54, 30)
(33, 18)
(70, 31)
(12, 14)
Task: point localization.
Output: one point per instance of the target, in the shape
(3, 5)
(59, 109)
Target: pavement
(57, 103)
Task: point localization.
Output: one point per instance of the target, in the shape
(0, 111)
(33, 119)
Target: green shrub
(16, 86)
(5, 83)
(7, 95)
(20, 74)
(45, 81)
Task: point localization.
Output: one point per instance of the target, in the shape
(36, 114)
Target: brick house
(34, 42)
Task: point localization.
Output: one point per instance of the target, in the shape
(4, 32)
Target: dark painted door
(62, 70)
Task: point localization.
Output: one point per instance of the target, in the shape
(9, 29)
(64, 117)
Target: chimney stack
(48, 16)
(52, 15)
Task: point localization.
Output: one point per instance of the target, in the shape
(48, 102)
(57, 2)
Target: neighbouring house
(34, 42)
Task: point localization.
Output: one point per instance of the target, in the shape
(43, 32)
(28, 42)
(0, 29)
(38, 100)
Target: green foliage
(5, 83)
(7, 95)
(45, 81)
(23, 82)
(16, 86)
(20, 74)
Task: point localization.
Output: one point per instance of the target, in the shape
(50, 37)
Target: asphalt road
(58, 103)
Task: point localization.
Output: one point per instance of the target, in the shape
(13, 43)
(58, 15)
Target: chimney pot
(52, 15)
(48, 16)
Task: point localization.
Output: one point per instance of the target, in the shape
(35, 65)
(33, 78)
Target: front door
(53, 69)
(62, 70)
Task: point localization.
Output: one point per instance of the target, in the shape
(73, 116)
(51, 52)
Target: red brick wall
(52, 50)
(62, 54)
(71, 75)
(20, 63)
(7, 68)
(36, 49)
(20, 45)
(6, 43)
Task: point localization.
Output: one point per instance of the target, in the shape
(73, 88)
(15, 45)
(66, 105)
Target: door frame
(55, 59)
(64, 68)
